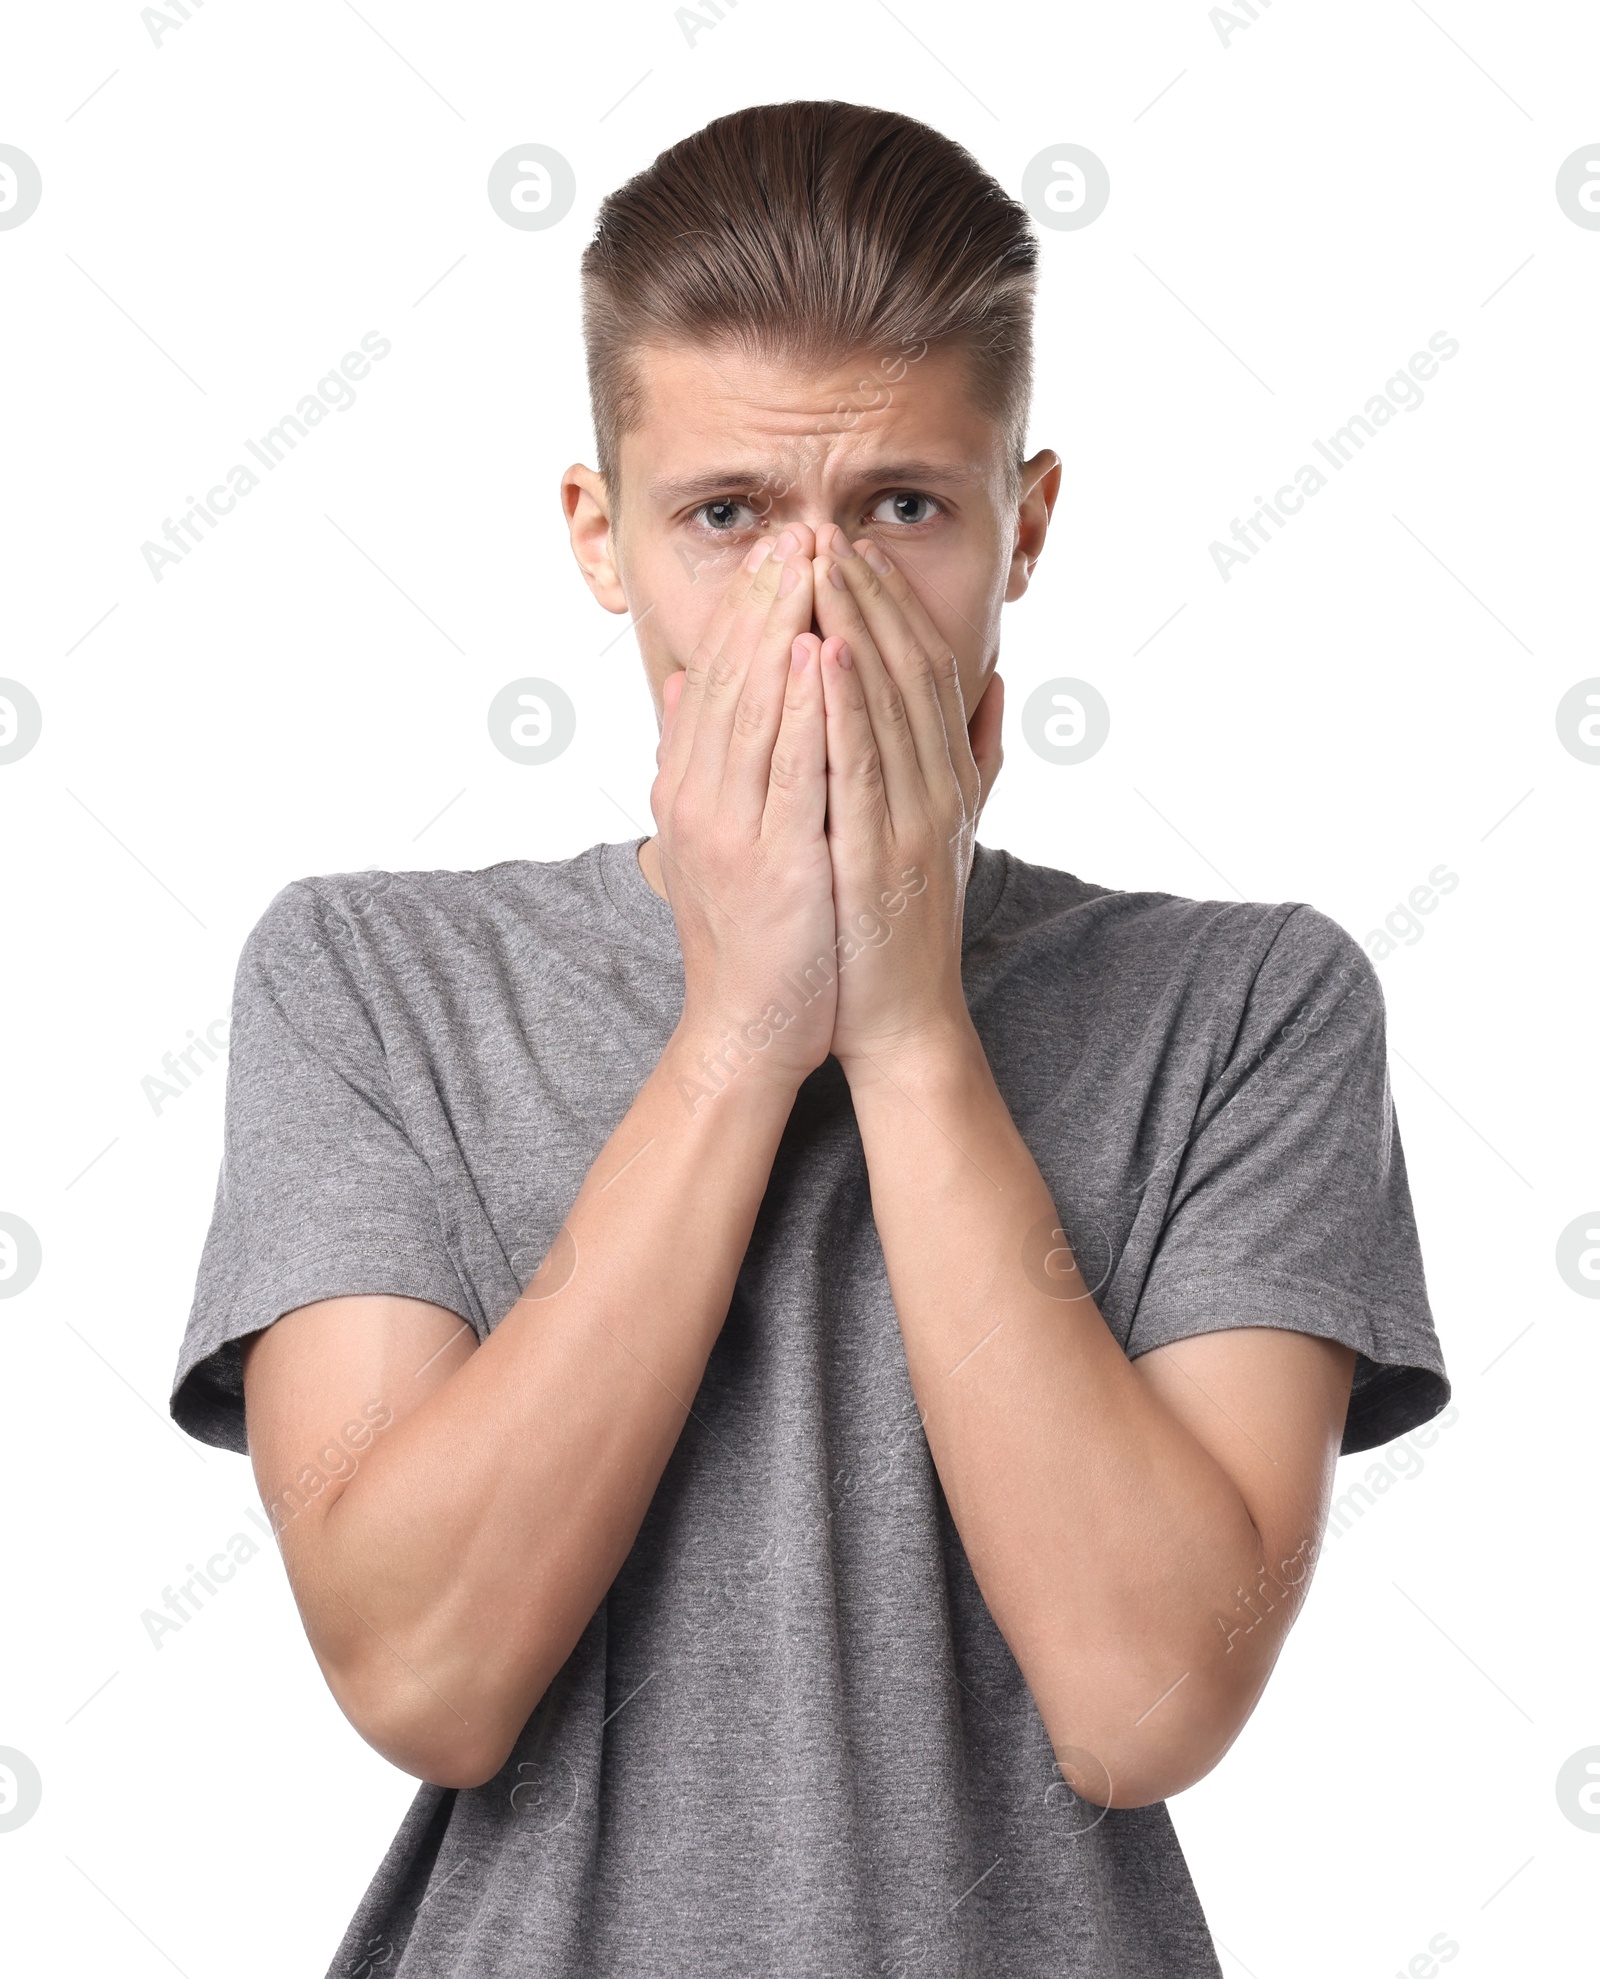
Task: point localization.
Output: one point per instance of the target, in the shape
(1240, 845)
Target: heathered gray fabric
(792, 1740)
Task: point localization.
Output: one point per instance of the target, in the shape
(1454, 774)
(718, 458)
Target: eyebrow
(747, 479)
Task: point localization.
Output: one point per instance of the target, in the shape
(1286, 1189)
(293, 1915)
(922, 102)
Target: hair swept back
(804, 232)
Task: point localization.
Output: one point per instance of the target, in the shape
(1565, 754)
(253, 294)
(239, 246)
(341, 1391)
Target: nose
(832, 541)
(795, 539)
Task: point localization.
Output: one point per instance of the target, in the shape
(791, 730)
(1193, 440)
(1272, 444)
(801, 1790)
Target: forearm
(1109, 1545)
(463, 1561)
(474, 1549)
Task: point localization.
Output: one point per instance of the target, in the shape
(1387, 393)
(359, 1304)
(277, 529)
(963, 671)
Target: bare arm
(445, 1578)
(1143, 1533)
(444, 1582)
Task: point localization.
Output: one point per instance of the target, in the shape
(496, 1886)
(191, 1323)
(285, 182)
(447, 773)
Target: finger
(723, 669)
(929, 660)
(736, 738)
(744, 601)
(797, 784)
(858, 801)
(931, 647)
(839, 615)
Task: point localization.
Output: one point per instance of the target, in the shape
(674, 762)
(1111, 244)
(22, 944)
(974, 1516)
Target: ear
(586, 503)
(1041, 483)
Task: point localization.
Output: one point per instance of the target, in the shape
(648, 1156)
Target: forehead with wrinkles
(709, 422)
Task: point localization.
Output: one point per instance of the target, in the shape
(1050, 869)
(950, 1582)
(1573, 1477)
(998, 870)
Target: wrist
(939, 1053)
(713, 1056)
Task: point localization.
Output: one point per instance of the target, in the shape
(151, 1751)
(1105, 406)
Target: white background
(1294, 211)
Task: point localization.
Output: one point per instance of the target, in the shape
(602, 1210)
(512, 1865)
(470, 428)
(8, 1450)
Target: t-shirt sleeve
(321, 1193)
(1290, 1205)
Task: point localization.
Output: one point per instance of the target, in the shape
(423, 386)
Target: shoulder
(337, 954)
(1169, 931)
(327, 914)
(1238, 974)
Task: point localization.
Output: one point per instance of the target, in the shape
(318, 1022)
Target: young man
(797, 1365)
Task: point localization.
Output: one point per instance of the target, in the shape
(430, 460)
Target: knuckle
(786, 773)
(721, 671)
(749, 718)
(864, 769)
(891, 710)
(917, 667)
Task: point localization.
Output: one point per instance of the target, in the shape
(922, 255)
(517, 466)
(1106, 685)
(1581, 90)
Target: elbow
(461, 1768)
(1126, 1735)
(438, 1706)
(429, 1740)
(440, 1757)
(1144, 1779)
(1144, 1770)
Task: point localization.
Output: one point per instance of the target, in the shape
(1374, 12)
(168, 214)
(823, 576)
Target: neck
(650, 866)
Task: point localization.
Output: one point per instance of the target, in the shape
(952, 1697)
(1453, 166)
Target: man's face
(730, 448)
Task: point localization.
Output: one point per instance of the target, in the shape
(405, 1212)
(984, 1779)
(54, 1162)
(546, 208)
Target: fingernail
(836, 578)
(879, 562)
(789, 579)
(843, 547)
(759, 554)
(846, 662)
(786, 545)
(797, 658)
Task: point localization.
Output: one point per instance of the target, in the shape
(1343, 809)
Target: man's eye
(906, 508)
(721, 517)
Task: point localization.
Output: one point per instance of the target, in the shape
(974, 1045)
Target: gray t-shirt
(792, 1739)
